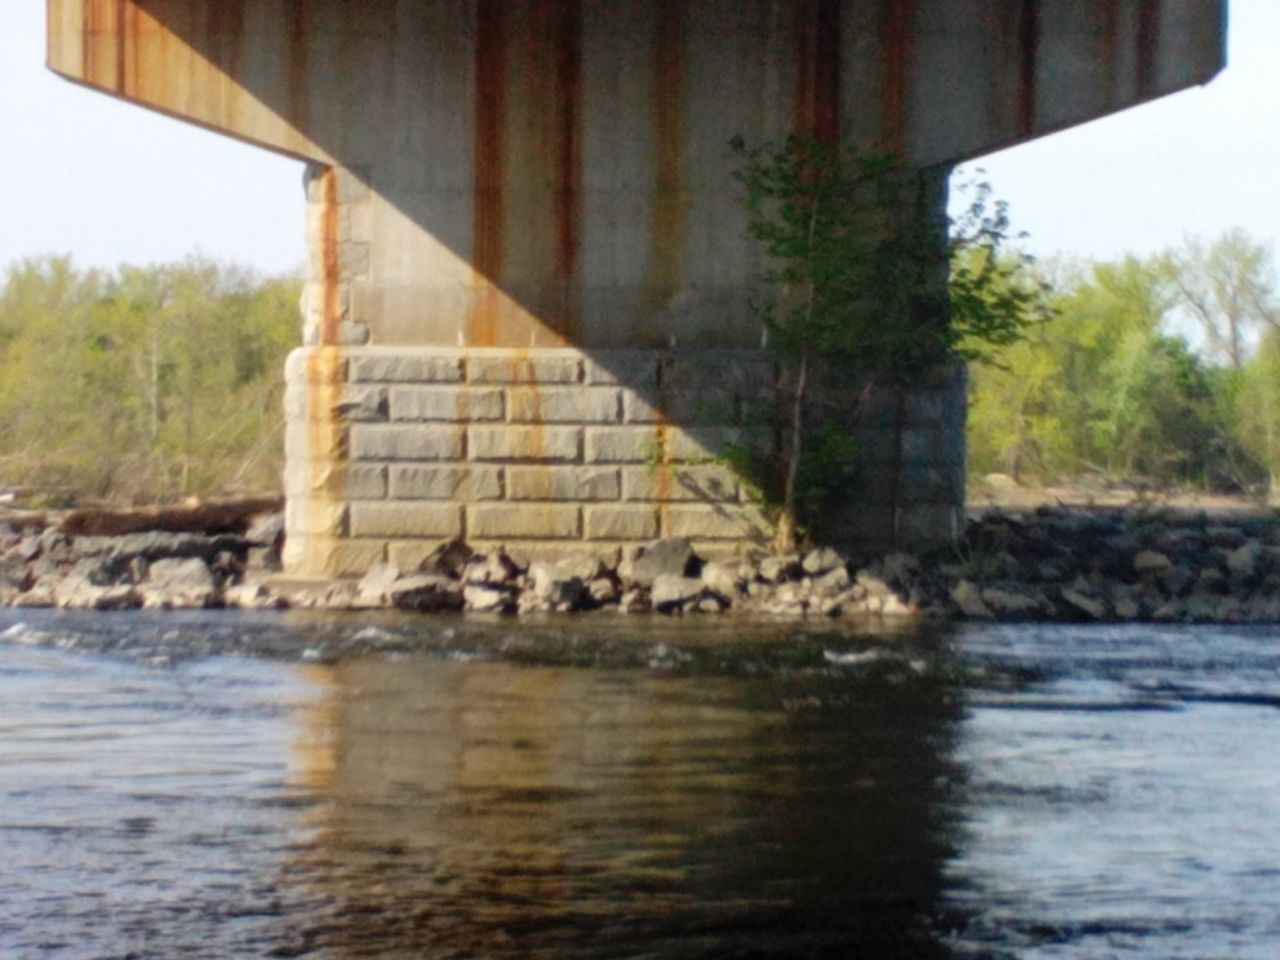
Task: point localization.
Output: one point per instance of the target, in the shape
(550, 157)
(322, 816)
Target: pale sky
(111, 183)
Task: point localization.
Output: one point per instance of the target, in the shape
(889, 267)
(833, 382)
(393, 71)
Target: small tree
(858, 258)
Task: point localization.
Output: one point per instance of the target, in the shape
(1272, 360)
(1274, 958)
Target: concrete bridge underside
(526, 316)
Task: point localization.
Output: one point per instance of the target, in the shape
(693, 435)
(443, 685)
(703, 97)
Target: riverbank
(1048, 564)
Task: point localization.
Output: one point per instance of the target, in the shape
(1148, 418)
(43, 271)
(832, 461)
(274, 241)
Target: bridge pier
(526, 316)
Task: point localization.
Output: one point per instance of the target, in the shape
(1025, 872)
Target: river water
(232, 786)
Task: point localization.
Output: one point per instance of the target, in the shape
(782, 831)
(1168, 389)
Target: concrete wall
(548, 174)
(542, 173)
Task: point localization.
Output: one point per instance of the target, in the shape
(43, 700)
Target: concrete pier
(527, 250)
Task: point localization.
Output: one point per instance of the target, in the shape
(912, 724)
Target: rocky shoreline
(1067, 564)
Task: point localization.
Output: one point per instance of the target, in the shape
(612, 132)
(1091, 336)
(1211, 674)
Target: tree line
(142, 383)
(151, 383)
(1162, 370)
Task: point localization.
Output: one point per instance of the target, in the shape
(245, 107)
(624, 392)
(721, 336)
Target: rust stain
(488, 202)
(665, 275)
(1110, 17)
(816, 110)
(324, 373)
(897, 17)
(1028, 64)
(523, 374)
(123, 41)
(1148, 45)
(568, 169)
(329, 247)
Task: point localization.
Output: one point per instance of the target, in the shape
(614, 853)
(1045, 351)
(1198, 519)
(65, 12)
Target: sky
(110, 183)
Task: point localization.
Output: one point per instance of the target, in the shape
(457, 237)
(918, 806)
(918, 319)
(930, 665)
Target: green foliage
(863, 273)
(145, 383)
(1106, 388)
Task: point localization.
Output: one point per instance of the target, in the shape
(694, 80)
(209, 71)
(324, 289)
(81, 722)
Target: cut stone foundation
(555, 450)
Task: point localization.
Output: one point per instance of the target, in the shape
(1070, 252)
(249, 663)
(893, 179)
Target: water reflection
(481, 809)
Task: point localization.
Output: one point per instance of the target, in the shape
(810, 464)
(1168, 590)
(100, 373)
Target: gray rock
(375, 586)
(447, 560)
(1228, 538)
(1014, 602)
(551, 585)
(721, 579)
(894, 606)
(1150, 561)
(266, 530)
(671, 592)
(968, 600)
(1093, 608)
(1126, 608)
(1244, 562)
(485, 599)
(603, 590)
(902, 567)
(665, 558)
(832, 582)
(1211, 581)
(426, 593)
(778, 569)
(76, 592)
(635, 601)
(493, 569)
(253, 596)
(582, 566)
(873, 583)
(820, 560)
(186, 578)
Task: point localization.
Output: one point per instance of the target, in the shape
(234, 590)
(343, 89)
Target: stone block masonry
(553, 450)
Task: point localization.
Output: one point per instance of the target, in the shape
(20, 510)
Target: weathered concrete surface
(544, 174)
(535, 173)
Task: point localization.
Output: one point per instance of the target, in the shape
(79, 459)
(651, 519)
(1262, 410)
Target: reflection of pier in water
(487, 810)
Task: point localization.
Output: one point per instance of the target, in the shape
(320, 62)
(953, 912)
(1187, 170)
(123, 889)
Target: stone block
(708, 405)
(667, 482)
(445, 482)
(696, 444)
(353, 259)
(452, 404)
(335, 481)
(524, 521)
(547, 444)
(919, 484)
(562, 483)
(640, 406)
(406, 519)
(734, 369)
(407, 555)
(563, 405)
(921, 446)
(634, 369)
(621, 523)
(318, 440)
(379, 442)
(310, 365)
(718, 522)
(327, 557)
(403, 365)
(929, 523)
(624, 444)
(306, 517)
(348, 402)
(526, 368)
